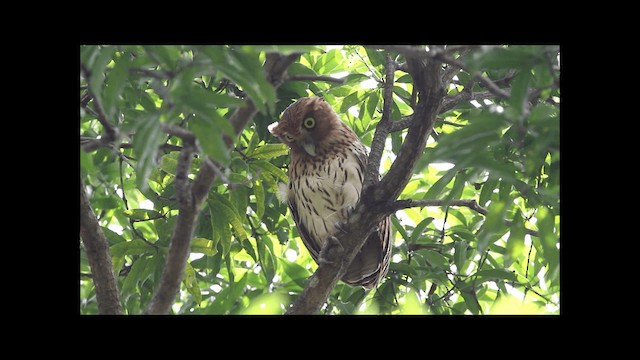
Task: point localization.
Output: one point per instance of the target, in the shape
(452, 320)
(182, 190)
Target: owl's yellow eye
(309, 123)
(288, 137)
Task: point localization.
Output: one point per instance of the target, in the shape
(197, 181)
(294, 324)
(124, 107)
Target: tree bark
(97, 250)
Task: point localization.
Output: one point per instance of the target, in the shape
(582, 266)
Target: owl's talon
(331, 250)
(341, 226)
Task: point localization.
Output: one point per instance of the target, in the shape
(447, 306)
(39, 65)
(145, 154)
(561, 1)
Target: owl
(326, 172)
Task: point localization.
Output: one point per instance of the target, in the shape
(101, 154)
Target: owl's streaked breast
(324, 190)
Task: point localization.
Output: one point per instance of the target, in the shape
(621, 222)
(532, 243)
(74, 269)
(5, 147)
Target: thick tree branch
(181, 239)
(97, 250)
(372, 173)
(303, 77)
(401, 124)
(191, 196)
(371, 209)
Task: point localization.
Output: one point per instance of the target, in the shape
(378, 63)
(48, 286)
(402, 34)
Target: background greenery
(246, 256)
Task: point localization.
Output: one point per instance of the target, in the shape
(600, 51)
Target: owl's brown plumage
(325, 181)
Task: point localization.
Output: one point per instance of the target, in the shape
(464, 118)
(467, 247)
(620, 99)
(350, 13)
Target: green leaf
(253, 142)
(296, 272)
(166, 55)
(517, 57)
(471, 301)
(133, 247)
(460, 255)
(349, 101)
(375, 57)
(226, 209)
(148, 137)
(96, 79)
(549, 240)
(117, 80)
(86, 162)
(271, 169)
(400, 228)
(258, 191)
(417, 232)
(203, 246)
(487, 190)
(136, 275)
(435, 259)
(220, 227)
(495, 274)
(244, 69)
(515, 242)
(169, 164)
(266, 304)
(207, 130)
(437, 188)
(112, 237)
(269, 151)
(141, 214)
(191, 283)
(519, 91)
(493, 226)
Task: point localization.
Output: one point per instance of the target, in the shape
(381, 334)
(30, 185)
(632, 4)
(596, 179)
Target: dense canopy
(480, 235)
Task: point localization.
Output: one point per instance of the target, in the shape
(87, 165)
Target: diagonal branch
(97, 250)
(371, 209)
(191, 196)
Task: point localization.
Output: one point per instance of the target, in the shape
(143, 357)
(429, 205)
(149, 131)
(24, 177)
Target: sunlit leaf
(133, 247)
(269, 151)
(258, 191)
(145, 146)
(191, 283)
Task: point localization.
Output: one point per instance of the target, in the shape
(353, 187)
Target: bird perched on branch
(326, 172)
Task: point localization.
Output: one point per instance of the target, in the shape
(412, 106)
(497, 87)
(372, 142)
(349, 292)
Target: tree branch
(303, 77)
(401, 124)
(450, 102)
(97, 249)
(417, 52)
(471, 204)
(191, 196)
(370, 210)
(372, 172)
(111, 133)
(181, 240)
(490, 85)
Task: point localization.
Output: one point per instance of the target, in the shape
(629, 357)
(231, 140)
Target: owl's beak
(308, 146)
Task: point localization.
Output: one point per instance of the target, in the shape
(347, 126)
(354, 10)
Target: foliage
(246, 256)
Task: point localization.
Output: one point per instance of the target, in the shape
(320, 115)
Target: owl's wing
(312, 245)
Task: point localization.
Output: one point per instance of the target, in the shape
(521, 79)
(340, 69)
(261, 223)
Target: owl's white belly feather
(325, 194)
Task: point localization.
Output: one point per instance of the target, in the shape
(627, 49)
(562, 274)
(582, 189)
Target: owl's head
(306, 125)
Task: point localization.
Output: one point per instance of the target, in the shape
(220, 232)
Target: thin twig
(471, 204)
(111, 133)
(490, 85)
(156, 74)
